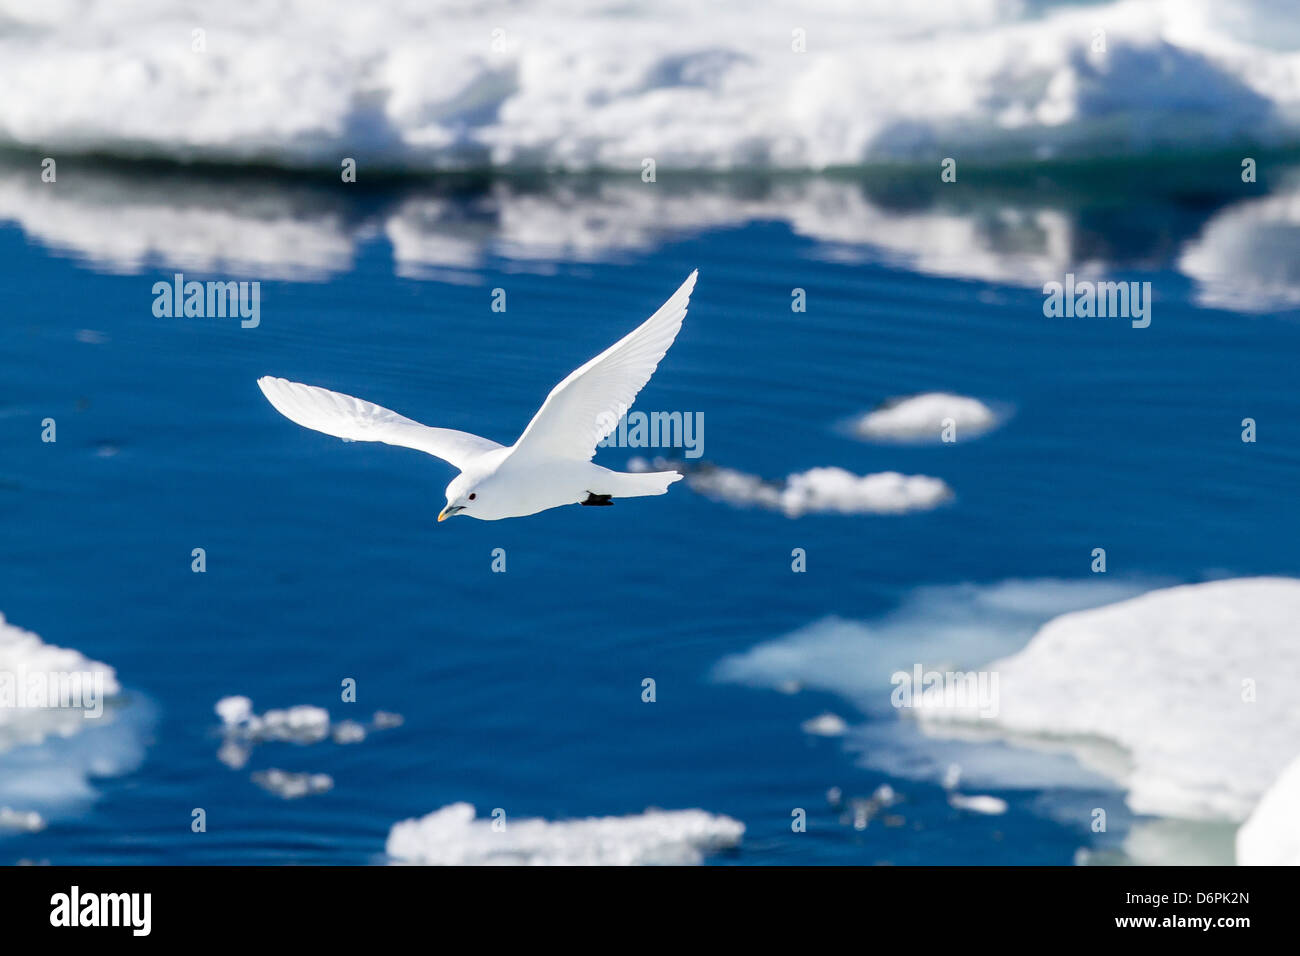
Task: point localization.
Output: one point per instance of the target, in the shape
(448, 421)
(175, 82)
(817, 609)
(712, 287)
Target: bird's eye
(473, 496)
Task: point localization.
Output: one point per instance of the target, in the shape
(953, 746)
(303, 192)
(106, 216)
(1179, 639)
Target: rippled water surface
(523, 690)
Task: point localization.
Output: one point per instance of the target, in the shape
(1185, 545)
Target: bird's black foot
(598, 501)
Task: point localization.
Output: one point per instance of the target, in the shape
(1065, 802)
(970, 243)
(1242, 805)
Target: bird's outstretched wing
(588, 404)
(346, 417)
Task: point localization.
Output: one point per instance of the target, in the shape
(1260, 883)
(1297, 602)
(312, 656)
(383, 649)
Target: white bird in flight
(550, 464)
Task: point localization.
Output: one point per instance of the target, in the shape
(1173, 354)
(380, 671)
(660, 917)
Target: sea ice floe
(453, 836)
(47, 691)
(69, 723)
(585, 84)
(1144, 699)
(1192, 682)
(1271, 836)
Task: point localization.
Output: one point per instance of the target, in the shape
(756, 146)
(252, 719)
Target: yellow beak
(448, 511)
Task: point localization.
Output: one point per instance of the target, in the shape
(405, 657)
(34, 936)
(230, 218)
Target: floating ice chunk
(1271, 837)
(735, 487)
(826, 725)
(23, 822)
(303, 723)
(234, 710)
(923, 417)
(979, 803)
(234, 753)
(821, 490)
(47, 691)
(453, 837)
(816, 491)
(860, 811)
(291, 786)
(348, 732)
(1192, 682)
(243, 729)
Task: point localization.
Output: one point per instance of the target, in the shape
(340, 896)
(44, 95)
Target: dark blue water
(522, 690)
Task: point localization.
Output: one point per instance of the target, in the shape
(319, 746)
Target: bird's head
(462, 497)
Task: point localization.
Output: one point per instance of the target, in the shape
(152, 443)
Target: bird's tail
(624, 484)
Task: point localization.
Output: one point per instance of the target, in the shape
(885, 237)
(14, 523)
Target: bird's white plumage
(550, 464)
(357, 420)
(587, 405)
